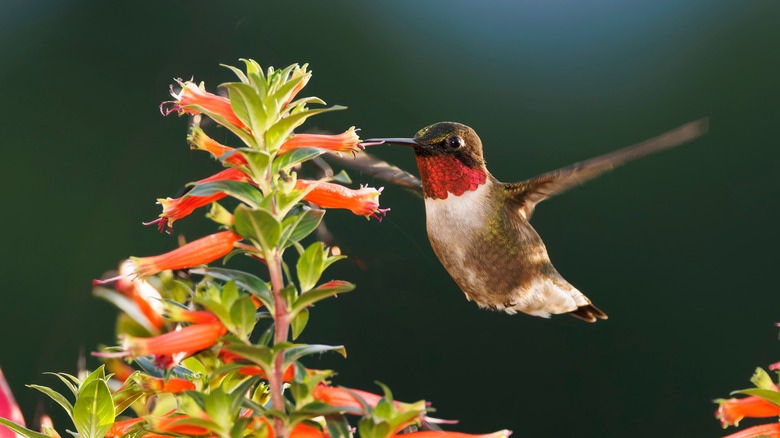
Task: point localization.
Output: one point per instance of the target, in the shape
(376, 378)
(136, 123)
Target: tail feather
(588, 313)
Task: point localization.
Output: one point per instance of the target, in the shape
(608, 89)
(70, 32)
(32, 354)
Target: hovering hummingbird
(478, 226)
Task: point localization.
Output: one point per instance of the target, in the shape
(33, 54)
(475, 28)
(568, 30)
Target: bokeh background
(679, 249)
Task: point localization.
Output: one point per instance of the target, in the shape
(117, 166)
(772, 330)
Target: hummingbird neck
(444, 174)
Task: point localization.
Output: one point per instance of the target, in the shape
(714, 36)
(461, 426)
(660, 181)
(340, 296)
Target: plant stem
(282, 327)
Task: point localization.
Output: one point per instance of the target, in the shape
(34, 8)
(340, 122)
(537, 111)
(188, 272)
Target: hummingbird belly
(495, 256)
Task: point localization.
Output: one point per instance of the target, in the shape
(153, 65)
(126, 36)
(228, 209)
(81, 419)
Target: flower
(198, 252)
(199, 140)
(346, 142)
(182, 342)
(362, 202)
(733, 410)
(143, 294)
(194, 99)
(771, 430)
(301, 430)
(8, 408)
(442, 434)
(174, 209)
(253, 370)
(120, 428)
(173, 385)
(344, 397)
(168, 425)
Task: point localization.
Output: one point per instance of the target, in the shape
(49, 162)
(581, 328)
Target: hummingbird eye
(454, 142)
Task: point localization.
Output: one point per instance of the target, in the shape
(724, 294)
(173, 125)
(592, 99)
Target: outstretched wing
(377, 168)
(530, 192)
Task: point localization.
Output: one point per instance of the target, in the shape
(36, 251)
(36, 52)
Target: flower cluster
(763, 401)
(213, 349)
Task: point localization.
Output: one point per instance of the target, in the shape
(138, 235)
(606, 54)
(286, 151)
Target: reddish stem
(282, 322)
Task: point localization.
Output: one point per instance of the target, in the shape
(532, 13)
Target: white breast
(457, 217)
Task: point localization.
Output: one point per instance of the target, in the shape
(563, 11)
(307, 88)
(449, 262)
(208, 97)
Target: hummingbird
(479, 227)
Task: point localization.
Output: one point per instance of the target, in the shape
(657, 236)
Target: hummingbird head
(449, 157)
(452, 139)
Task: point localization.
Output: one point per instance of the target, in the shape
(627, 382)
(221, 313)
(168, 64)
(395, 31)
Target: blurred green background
(680, 249)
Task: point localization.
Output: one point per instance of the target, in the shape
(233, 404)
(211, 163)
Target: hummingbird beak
(402, 141)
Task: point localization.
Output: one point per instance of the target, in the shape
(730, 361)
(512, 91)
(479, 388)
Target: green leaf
(244, 192)
(194, 365)
(310, 265)
(248, 282)
(338, 426)
(277, 133)
(303, 101)
(57, 397)
(299, 322)
(258, 225)
(126, 402)
(321, 292)
(237, 72)
(298, 351)
(342, 177)
(257, 161)
(242, 312)
(21, 430)
(769, 395)
(305, 222)
(283, 94)
(69, 381)
(229, 293)
(239, 132)
(248, 106)
(295, 156)
(93, 413)
(217, 405)
(260, 355)
(98, 374)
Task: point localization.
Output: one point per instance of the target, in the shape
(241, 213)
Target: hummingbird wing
(377, 168)
(530, 192)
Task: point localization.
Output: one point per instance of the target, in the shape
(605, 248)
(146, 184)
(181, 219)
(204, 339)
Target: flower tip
(376, 214)
(162, 224)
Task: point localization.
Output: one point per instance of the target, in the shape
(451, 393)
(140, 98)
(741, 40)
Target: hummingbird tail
(588, 313)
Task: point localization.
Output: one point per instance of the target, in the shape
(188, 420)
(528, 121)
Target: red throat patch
(444, 174)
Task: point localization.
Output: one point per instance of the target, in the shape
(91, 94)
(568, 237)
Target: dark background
(679, 249)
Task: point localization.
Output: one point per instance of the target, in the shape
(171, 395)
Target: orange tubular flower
(192, 96)
(143, 294)
(198, 252)
(771, 430)
(441, 434)
(120, 428)
(166, 425)
(362, 202)
(300, 430)
(733, 410)
(343, 397)
(175, 209)
(253, 370)
(346, 142)
(199, 140)
(173, 385)
(189, 340)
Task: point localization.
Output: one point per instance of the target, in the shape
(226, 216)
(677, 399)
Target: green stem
(282, 328)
